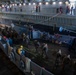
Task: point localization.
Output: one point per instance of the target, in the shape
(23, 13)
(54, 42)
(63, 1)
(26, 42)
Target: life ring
(22, 64)
(12, 56)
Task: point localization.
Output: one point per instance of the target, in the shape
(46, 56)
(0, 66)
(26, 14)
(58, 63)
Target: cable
(53, 16)
(49, 18)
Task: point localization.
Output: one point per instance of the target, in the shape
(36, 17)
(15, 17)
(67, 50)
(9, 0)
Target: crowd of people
(64, 65)
(12, 38)
(68, 9)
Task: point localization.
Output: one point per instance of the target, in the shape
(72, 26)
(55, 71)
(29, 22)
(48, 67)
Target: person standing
(30, 31)
(61, 10)
(72, 10)
(66, 66)
(58, 59)
(37, 45)
(67, 10)
(27, 41)
(44, 50)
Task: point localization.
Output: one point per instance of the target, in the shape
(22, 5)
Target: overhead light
(47, 3)
(29, 3)
(54, 3)
(66, 2)
(34, 3)
(24, 4)
(40, 3)
(15, 4)
(20, 4)
(2, 5)
(10, 5)
(60, 3)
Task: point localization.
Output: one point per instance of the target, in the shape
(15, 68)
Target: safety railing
(63, 20)
(23, 63)
(37, 70)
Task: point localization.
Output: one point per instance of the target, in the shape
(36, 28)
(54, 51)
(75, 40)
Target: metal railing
(23, 63)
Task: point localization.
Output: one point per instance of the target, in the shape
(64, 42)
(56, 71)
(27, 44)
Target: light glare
(60, 3)
(34, 3)
(40, 3)
(29, 3)
(2, 5)
(54, 3)
(24, 4)
(47, 3)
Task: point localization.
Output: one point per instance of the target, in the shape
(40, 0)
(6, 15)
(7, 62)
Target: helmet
(68, 56)
(21, 46)
(35, 40)
(24, 34)
(59, 51)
